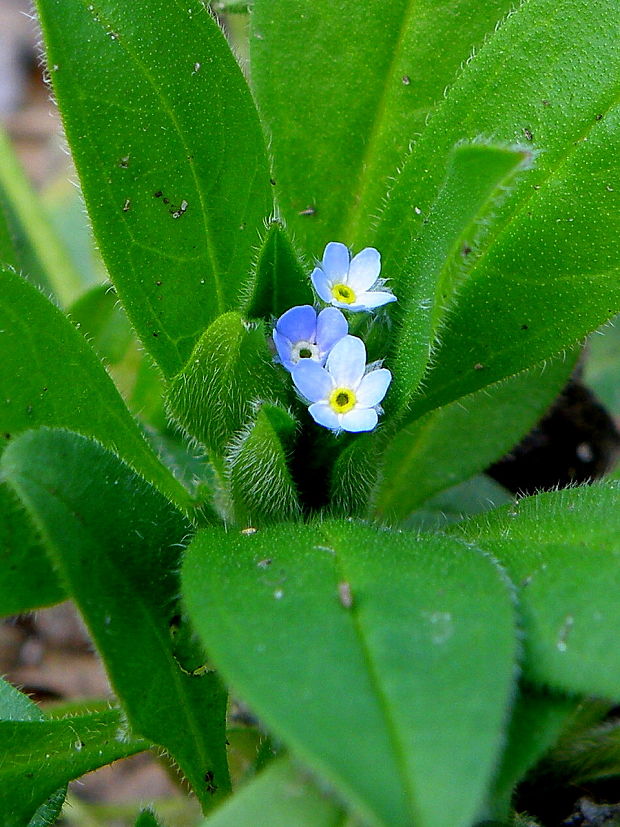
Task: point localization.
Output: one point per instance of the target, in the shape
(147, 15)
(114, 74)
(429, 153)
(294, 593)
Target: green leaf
(44, 755)
(361, 79)
(331, 619)
(116, 543)
(535, 725)
(49, 812)
(15, 706)
(474, 496)
(7, 248)
(478, 176)
(36, 247)
(602, 366)
(27, 579)
(562, 550)
(547, 272)
(50, 376)
(170, 155)
(261, 485)
(228, 373)
(281, 280)
(148, 818)
(104, 323)
(453, 443)
(586, 755)
(280, 796)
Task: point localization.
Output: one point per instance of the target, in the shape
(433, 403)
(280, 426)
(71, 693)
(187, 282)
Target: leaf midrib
(374, 675)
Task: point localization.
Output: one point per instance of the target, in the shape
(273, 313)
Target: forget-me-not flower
(302, 334)
(352, 284)
(343, 396)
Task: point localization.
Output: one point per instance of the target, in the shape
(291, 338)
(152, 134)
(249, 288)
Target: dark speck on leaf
(406, 80)
(124, 162)
(156, 334)
(546, 103)
(528, 134)
(158, 283)
(211, 786)
(466, 250)
(272, 181)
(166, 200)
(308, 211)
(525, 327)
(7, 436)
(599, 117)
(157, 194)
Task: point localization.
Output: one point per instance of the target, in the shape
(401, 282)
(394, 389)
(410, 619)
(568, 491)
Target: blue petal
(336, 261)
(347, 362)
(364, 270)
(311, 380)
(283, 346)
(373, 387)
(323, 414)
(359, 419)
(321, 284)
(298, 323)
(331, 326)
(372, 299)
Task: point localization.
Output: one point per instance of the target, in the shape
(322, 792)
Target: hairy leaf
(27, 579)
(280, 797)
(170, 155)
(281, 280)
(261, 486)
(451, 444)
(384, 641)
(361, 79)
(562, 549)
(547, 271)
(478, 176)
(116, 543)
(47, 754)
(49, 375)
(230, 370)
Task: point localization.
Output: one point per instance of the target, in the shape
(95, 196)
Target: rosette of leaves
(210, 533)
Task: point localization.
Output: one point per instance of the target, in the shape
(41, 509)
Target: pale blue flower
(343, 395)
(352, 284)
(302, 334)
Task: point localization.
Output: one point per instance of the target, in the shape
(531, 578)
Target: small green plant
(254, 519)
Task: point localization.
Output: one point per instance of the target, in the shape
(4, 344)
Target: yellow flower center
(342, 400)
(343, 293)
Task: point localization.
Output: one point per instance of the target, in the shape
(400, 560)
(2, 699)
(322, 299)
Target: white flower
(343, 396)
(301, 334)
(351, 283)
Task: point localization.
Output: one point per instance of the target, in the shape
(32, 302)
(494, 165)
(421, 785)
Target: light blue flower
(300, 334)
(343, 396)
(352, 284)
